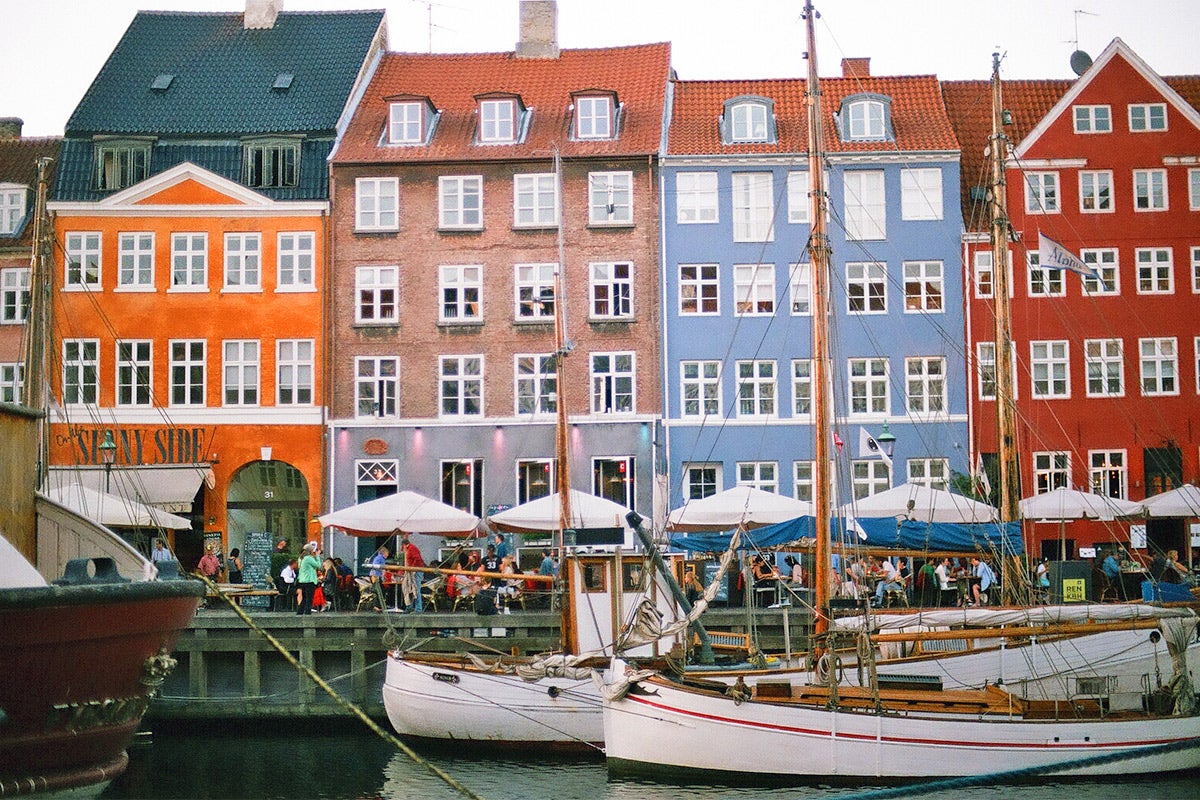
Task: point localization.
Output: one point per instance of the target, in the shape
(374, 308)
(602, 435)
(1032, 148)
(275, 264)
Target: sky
(52, 49)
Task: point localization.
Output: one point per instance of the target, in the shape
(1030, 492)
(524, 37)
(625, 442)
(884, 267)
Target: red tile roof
(18, 164)
(638, 75)
(918, 116)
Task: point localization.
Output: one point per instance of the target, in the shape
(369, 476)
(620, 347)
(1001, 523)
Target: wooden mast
(37, 330)
(562, 472)
(819, 251)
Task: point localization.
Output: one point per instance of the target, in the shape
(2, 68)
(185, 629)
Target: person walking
(306, 580)
(412, 580)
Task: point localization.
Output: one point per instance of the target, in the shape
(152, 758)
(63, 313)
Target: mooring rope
(341, 701)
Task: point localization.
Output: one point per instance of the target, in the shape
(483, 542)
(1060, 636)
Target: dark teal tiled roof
(223, 75)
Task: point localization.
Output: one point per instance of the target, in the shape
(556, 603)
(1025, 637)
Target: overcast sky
(53, 48)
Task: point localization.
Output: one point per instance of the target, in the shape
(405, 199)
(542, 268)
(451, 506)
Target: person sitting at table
(889, 581)
(764, 578)
(987, 579)
(1172, 571)
(946, 589)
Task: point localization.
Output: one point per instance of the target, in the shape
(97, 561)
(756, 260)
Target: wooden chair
(432, 591)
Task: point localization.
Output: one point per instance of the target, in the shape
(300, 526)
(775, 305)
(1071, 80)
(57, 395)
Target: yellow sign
(1074, 590)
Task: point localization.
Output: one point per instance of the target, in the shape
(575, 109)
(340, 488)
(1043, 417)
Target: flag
(837, 442)
(1052, 255)
(868, 447)
(983, 486)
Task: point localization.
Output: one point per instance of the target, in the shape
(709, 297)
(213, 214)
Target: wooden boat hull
(80, 664)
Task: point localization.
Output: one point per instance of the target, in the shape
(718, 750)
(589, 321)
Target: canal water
(312, 760)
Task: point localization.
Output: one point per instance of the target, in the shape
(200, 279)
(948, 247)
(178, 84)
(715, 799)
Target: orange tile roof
(918, 116)
(638, 74)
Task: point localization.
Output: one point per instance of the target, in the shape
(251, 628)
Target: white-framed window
(699, 289)
(239, 372)
(985, 369)
(377, 290)
(699, 389)
(189, 261)
(753, 207)
(802, 388)
(1104, 364)
(613, 381)
(1108, 474)
(377, 204)
(594, 117)
(749, 122)
(294, 259)
(802, 480)
(535, 291)
(1147, 117)
(294, 372)
(931, 472)
(461, 290)
(866, 204)
(1194, 189)
(460, 386)
(1155, 270)
(375, 473)
(135, 261)
(866, 119)
(1149, 190)
(1050, 369)
(1196, 270)
(1051, 470)
(14, 295)
(1093, 119)
(1095, 191)
(12, 382)
(536, 477)
(271, 163)
(406, 122)
(81, 371)
(83, 261)
(866, 287)
(756, 388)
(984, 276)
(921, 193)
(1104, 261)
(121, 164)
(1159, 363)
(1044, 282)
(535, 200)
(460, 202)
(870, 476)
(497, 121)
(12, 207)
(754, 289)
(762, 475)
(188, 366)
(611, 287)
(925, 385)
(243, 260)
(800, 289)
(613, 479)
(799, 203)
(701, 480)
(869, 390)
(924, 287)
(610, 198)
(377, 386)
(134, 372)
(536, 384)
(1041, 193)
(696, 198)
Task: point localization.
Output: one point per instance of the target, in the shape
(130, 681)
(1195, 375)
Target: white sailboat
(834, 726)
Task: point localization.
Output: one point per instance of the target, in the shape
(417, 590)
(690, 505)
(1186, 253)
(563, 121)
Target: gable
(189, 192)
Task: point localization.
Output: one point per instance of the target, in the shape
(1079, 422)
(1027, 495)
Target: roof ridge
(510, 53)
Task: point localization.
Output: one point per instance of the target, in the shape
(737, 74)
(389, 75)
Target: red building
(1106, 374)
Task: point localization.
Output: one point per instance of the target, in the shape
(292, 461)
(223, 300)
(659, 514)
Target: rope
(339, 700)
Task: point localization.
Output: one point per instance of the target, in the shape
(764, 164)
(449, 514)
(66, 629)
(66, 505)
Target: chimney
(539, 29)
(10, 127)
(856, 67)
(261, 14)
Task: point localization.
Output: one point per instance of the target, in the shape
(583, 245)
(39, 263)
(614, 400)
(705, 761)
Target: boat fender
(554, 691)
(1155, 637)
(77, 573)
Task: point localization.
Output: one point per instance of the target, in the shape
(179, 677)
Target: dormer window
(748, 119)
(121, 163)
(498, 121)
(594, 116)
(410, 121)
(271, 163)
(12, 207)
(866, 118)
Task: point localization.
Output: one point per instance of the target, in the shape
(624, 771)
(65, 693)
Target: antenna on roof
(1080, 61)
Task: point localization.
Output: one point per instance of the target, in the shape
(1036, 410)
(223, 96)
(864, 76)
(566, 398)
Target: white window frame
(295, 260)
(926, 392)
(866, 120)
(924, 287)
(799, 202)
(1042, 193)
(701, 479)
(610, 286)
(1155, 270)
(535, 384)
(870, 476)
(757, 389)
(1103, 467)
(536, 477)
(1106, 262)
(376, 472)
(1150, 190)
(83, 260)
(498, 121)
(614, 382)
(460, 202)
(985, 370)
(406, 122)
(460, 293)
(376, 204)
(696, 198)
(535, 200)
(869, 387)
(12, 207)
(377, 291)
(803, 483)
(534, 292)
(1104, 367)
(1147, 117)
(866, 287)
(1051, 470)
(753, 206)
(699, 290)
(1158, 365)
(1044, 282)
(12, 382)
(271, 163)
(762, 475)
(81, 372)
(800, 289)
(614, 479)
(594, 117)
(1092, 119)
(865, 193)
(135, 261)
(187, 362)
(295, 363)
(460, 386)
(749, 122)
(983, 274)
(700, 394)
(933, 473)
(1050, 369)
(134, 374)
(802, 388)
(189, 262)
(14, 295)
(241, 361)
(921, 193)
(1096, 192)
(1194, 189)
(754, 290)
(610, 198)
(377, 387)
(121, 164)
(1196, 270)
(243, 262)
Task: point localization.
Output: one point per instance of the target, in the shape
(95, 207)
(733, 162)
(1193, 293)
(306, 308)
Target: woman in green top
(306, 581)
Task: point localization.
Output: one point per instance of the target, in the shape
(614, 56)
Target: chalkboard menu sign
(256, 566)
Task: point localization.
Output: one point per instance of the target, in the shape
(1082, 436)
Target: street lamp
(887, 442)
(108, 454)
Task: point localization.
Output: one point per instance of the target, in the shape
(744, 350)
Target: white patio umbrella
(746, 506)
(114, 510)
(918, 502)
(404, 511)
(1181, 502)
(1067, 504)
(542, 514)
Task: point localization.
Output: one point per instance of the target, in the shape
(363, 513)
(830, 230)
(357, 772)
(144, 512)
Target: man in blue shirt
(501, 546)
(987, 578)
(377, 562)
(1111, 568)
(548, 567)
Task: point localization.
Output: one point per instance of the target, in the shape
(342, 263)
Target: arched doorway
(267, 496)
